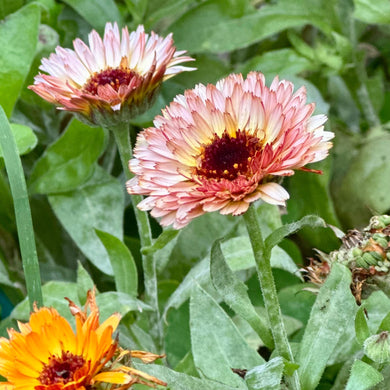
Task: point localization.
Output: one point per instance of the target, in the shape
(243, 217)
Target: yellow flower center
(61, 369)
(228, 157)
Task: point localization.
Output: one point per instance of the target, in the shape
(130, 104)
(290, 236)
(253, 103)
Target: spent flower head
(366, 253)
(112, 79)
(221, 147)
(47, 354)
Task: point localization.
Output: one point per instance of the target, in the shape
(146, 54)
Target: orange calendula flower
(222, 147)
(48, 355)
(112, 79)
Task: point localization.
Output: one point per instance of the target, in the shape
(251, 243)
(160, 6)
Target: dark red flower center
(228, 157)
(114, 77)
(61, 369)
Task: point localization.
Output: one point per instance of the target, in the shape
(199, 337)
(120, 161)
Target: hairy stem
(267, 284)
(123, 142)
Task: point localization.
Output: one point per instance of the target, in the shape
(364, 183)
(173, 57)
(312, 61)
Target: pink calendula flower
(222, 147)
(113, 79)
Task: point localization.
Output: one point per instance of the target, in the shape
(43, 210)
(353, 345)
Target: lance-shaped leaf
(234, 293)
(69, 161)
(122, 262)
(267, 376)
(363, 377)
(328, 320)
(277, 235)
(96, 205)
(18, 41)
(217, 345)
(179, 381)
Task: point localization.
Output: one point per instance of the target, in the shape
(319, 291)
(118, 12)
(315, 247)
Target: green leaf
(373, 11)
(210, 27)
(276, 236)
(137, 9)
(356, 203)
(122, 262)
(217, 345)
(25, 138)
(57, 253)
(283, 61)
(384, 385)
(187, 365)
(8, 7)
(234, 293)
(385, 324)
(162, 240)
(329, 317)
(180, 381)
(177, 340)
(7, 216)
(363, 376)
(239, 256)
(309, 194)
(378, 307)
(267, 376)
(343, 103)
(48, 39)
(22, 211)
(96, 12)
(112, 301)
(96, 205)
(207, 228)
(361, 326)
(69, 161)
(18, 41)
(54, 294)
(296, 302)
(165, 8)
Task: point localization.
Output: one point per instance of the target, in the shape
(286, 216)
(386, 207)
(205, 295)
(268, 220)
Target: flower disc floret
(112, 79)
(222, 147)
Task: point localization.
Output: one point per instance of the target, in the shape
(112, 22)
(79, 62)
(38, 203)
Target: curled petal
(112, 79)
(221, 147)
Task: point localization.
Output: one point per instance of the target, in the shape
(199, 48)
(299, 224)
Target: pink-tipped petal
(222, 147)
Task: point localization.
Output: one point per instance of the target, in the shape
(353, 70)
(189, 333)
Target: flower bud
(377, 347)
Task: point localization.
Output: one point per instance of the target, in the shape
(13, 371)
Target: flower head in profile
(222, 147)
(113, 79)
(48, 355)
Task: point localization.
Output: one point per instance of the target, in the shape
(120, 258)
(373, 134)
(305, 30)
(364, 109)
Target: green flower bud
(369, 258)
(360, 262)
(385, 219)
(356, 252)
(380, 238)
(376, 255)
(377, 347)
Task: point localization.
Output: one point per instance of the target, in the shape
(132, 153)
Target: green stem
(268, 288)
(109, 156)
(22, 212)
(122, 138)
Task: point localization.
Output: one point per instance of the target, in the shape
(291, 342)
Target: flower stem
(268, 288)
(122, 138)
(22, 212)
